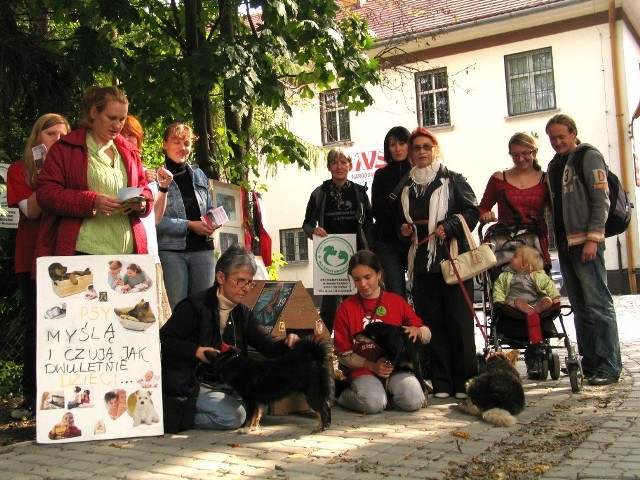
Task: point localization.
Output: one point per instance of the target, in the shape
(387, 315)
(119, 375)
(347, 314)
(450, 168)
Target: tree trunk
(200, 104)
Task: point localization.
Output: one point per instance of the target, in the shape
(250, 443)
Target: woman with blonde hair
(338, 206)
(185, 242)
(80, 182)
(520, 191)
(21, 182)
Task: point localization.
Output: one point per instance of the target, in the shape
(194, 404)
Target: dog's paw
(467, 407)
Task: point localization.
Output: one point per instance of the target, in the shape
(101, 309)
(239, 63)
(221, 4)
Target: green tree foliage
(229, 71)
(231, 68)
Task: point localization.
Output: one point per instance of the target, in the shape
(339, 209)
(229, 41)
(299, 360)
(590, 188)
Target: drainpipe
(622, 140)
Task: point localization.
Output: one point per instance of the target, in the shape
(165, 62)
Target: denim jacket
(172, 229)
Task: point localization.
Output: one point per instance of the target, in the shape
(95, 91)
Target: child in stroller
(525, 287)
(512, 327)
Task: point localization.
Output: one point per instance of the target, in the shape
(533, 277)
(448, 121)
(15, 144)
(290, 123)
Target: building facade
(475, 73)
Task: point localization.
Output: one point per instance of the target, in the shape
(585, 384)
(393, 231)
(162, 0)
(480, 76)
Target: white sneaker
(441, 395)
(461, 395)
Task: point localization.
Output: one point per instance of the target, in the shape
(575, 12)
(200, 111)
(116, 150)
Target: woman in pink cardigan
(79, 184)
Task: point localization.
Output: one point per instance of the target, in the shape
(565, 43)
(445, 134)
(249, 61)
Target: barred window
(334, 119)
(433, 98)
(530, 84)
(294, 246)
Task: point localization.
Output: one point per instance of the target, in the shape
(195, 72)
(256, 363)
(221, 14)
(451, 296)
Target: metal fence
(11, 308)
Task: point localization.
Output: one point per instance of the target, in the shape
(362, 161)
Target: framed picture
(226, 236)
(227, 196)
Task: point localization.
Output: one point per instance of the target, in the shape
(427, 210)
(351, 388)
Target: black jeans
(444, 310)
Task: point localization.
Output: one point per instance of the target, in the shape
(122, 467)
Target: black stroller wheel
(555, 366)
(575, 377)
(544, 365)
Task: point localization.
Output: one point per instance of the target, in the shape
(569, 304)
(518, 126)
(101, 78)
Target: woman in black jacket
(213, 320)
(430, 200)
(391, 251)
(338, 206)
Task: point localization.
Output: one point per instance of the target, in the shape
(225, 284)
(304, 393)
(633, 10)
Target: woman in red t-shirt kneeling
(368, 368)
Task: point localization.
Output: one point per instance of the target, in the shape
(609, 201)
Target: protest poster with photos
(98, 352)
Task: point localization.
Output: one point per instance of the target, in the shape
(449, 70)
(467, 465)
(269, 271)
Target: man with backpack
(580, 209)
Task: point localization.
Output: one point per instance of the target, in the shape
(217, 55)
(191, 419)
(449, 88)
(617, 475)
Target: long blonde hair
(47, 120)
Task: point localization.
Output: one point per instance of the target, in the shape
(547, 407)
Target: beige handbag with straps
(469, 264)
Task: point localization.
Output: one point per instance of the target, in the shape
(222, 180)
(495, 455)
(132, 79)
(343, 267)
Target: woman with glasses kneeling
(212, 320)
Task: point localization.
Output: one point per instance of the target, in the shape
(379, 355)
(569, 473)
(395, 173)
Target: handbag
(469, 264)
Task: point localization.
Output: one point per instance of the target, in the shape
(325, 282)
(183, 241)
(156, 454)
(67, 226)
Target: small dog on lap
(303, 369)
(398, 349)
(496, 394)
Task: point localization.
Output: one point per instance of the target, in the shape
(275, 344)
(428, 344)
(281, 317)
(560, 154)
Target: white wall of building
(476, 142)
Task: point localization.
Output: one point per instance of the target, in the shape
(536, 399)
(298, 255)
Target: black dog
(496, 394)
(398, 349)
(304, 369)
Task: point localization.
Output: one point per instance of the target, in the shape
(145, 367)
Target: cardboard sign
(98, 352)
(331, 256)
(294, 309)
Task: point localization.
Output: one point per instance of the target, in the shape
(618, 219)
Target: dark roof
(395, 19)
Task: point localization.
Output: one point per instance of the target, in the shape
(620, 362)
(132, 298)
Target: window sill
(342, 143)
(537, 113)
(441, 128)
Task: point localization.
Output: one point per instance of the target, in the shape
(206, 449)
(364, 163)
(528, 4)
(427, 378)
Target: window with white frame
(334, 119)
(294, 246)
(530, 85)
(433, 98)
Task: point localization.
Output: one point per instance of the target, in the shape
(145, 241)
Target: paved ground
(560, 435)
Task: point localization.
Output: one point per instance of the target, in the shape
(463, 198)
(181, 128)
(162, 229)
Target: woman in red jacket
(21, 183)
(79, 184)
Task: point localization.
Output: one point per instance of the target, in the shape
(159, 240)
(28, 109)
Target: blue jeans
(186, 273)
(393, 258)
(218, 410)
(593, 313)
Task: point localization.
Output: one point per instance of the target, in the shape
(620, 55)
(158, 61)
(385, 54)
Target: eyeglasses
(426, 147)
(241, 282)
(527, 153)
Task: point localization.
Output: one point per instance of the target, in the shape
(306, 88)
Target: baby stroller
(508, 327)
